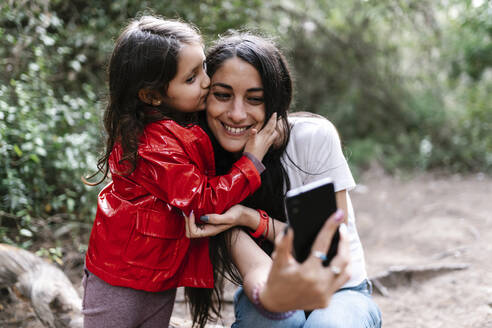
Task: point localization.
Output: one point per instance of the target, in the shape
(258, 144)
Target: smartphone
(308, 208)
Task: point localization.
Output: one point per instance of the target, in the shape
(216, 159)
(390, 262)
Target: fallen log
(53, 298)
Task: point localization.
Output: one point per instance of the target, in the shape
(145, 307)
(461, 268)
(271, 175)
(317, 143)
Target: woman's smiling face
(235, 104)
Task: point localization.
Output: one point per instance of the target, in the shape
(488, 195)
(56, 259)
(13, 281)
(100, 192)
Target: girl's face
(188, 90)
(235, 104)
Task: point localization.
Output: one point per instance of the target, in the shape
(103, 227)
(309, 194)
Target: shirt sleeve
(323, 155)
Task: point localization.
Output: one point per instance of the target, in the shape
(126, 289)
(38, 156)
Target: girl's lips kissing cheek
(236, 131)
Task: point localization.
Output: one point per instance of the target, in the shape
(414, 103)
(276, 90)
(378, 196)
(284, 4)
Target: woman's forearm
(275, 228)
(252, 220)
(251, 261)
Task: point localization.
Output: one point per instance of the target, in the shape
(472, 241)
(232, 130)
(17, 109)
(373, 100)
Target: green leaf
(35, 158)
(18, 151)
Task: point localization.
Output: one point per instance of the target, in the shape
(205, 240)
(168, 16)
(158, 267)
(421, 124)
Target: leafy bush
(54, 54)
(48, 128)
(408, 84)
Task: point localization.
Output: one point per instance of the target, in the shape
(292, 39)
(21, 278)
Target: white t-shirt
(315, 147)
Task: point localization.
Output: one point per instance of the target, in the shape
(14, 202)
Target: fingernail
(339, 215)
(204, 218)
(191, 213)
(343, 228)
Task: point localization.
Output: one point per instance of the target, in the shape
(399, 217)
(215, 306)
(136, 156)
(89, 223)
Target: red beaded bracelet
(262, 226)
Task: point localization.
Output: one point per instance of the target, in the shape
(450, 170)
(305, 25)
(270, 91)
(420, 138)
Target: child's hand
(203, 230)
(237, 215)
(259, 142)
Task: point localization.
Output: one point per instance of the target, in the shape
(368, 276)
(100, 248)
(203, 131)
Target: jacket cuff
(258, 164)
(248, 168)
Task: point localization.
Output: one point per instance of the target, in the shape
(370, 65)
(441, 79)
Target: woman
(249, 82)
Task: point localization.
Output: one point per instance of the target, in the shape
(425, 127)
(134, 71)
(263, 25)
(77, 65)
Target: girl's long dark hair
(263, 55)
(145, 56)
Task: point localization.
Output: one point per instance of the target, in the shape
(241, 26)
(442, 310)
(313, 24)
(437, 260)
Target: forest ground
(408, 221)
(430, 220)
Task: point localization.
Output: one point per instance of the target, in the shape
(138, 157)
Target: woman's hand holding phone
(310, 285)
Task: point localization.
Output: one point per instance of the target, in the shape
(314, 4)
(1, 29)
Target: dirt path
(430, 220)
(405, 221)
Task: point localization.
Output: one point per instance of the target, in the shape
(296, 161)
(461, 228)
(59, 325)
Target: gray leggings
(107, 306)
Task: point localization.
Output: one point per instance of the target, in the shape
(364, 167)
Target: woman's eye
(205, 66)
(221, 96)
(256, 100)
(191, 79)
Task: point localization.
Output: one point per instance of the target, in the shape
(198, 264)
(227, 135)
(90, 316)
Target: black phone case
(307, 212)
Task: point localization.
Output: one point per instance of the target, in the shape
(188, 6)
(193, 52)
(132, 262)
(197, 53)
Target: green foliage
(407, 83)
(48, 130)
(455, 100)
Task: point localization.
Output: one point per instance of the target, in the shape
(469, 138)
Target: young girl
(162, 166)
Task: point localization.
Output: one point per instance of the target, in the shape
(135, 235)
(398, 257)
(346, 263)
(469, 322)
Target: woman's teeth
(232, 130)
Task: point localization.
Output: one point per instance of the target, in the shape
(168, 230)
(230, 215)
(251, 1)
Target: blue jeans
(349, 308)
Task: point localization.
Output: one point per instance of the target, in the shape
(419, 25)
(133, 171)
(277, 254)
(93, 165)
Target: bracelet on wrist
(262, 225)
(265, 312)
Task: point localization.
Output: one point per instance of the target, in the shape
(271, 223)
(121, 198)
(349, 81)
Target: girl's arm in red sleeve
(170, 174)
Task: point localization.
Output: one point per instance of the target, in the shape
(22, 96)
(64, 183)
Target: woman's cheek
(215, 107)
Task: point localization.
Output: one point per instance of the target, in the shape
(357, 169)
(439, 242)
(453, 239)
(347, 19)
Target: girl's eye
(221, 96)
(191, 79)
(205, 66)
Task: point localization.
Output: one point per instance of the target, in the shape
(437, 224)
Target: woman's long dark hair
(263, 55)
(145, 56)
(272, 67)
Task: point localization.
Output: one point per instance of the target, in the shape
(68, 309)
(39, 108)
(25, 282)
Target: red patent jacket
(138, 238)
